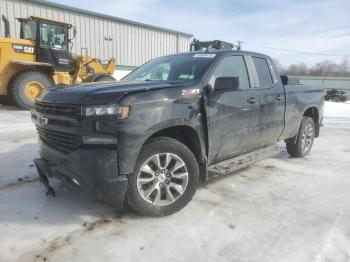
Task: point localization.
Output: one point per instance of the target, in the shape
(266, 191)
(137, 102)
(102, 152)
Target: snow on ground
(280, 209)
(17, 145)
(337, 110)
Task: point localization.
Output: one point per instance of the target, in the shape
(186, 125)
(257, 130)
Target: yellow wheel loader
(41, 58)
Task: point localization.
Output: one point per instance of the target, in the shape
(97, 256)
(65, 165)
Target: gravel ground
(280, 209)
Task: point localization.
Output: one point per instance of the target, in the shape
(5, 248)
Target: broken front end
(74, 150)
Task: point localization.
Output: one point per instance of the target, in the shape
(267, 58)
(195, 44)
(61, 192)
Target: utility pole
(238, 45)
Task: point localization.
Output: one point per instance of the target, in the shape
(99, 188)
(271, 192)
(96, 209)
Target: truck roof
(224, 52)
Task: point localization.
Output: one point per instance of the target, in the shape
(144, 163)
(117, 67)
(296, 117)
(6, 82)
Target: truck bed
(298, 99)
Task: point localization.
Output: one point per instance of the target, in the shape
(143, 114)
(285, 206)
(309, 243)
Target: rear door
(271, 99)
(233, 116)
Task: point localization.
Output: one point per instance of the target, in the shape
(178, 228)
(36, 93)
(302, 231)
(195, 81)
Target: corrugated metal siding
(131, 45)
(341, 83)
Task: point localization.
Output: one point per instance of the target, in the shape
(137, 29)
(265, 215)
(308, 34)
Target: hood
(101, 92)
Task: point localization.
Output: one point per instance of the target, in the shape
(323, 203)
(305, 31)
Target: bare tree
(323, 68)
(344, 67)
(278, 66)
(297, 69)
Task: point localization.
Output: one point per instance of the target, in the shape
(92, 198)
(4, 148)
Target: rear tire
(27, 86)
(163, 189)
(305, 138)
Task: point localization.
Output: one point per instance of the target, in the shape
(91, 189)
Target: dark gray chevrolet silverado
(147, 141)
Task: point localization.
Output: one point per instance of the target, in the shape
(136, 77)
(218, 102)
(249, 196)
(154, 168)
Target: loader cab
(51, 40)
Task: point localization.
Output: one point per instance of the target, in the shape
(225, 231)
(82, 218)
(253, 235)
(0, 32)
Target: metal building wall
(132, 43)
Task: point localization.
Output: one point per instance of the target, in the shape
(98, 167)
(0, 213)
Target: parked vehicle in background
(151, 138)
(40, 58)
(335, 95)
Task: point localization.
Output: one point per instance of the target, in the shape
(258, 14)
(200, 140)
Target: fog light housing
(104, 140)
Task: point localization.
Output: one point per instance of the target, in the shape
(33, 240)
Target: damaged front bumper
(94, 170)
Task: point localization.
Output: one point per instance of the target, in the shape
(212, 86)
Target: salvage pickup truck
(150, 139)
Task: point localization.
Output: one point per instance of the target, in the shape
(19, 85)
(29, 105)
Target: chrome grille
(57, 108)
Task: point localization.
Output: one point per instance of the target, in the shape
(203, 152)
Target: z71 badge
(186, 92)
(24, 49)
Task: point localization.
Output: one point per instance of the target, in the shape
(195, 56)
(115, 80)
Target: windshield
(173, 68)
(53, 36)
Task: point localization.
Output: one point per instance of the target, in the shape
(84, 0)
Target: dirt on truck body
(151, 138)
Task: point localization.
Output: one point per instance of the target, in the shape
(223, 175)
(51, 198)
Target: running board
(230, 165)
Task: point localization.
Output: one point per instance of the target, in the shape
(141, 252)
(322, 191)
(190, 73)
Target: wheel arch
(188, 136)
(313, 112)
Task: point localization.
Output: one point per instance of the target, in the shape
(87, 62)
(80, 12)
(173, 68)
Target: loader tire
(105, 78)
(27, 86)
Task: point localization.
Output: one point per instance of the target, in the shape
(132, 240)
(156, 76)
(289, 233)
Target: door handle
(278, 97)
(251, 100)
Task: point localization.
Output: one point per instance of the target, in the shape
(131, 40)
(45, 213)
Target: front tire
(29, 85)
(305, 138)
(165, 178)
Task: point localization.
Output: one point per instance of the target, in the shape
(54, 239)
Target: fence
(341, 83)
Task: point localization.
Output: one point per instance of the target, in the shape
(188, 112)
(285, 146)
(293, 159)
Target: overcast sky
(307, 25)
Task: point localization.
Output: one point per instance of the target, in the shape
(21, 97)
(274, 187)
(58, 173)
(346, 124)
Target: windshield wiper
(165, 81)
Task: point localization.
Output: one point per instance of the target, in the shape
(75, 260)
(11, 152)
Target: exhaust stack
(7, 26)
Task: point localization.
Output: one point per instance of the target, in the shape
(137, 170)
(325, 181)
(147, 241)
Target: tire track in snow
(331, 243)
(19, 183)
(69, 239)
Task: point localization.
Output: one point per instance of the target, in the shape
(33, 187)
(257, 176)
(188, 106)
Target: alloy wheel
(162, 179)
(307, 137)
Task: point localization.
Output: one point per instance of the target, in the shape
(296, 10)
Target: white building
(131, 43)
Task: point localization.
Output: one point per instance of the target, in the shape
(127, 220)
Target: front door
(232, 115)
(52, 47)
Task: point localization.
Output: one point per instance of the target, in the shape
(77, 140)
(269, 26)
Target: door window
(53, 36)
(28, 30)
(233, 66)
(263, 71)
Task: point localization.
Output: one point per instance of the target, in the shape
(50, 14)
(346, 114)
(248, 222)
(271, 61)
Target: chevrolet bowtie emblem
(43, 121)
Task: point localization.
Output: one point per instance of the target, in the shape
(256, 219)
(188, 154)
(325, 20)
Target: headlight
(107, 110)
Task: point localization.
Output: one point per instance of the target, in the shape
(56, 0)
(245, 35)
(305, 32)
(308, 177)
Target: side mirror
(284, 79)
(229, 83)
